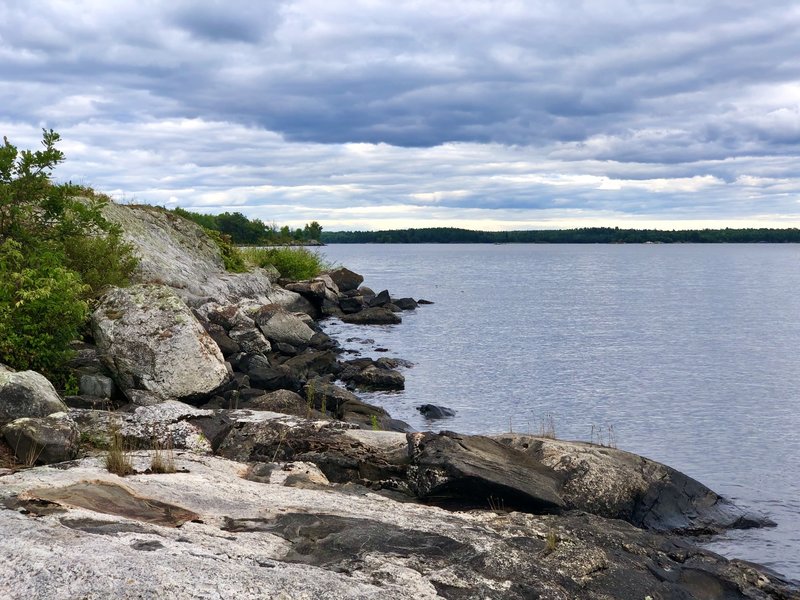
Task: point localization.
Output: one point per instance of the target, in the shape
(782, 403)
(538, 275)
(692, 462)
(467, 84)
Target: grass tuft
(163, 459)
(118, 458)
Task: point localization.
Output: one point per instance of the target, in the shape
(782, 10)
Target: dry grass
(118, 457)
(163, 459)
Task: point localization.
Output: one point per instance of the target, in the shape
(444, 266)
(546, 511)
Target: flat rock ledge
(210, 531)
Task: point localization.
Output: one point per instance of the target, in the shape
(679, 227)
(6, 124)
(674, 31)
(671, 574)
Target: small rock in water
(431, 411)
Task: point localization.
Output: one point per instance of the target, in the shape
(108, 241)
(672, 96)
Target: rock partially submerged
(620, 485)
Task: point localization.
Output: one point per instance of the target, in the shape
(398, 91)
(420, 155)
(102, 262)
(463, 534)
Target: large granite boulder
(43, 440)
(345, 279)
(27, 394)
(620, 485)
(152, 342)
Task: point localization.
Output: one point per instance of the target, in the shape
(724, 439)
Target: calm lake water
(687, 354)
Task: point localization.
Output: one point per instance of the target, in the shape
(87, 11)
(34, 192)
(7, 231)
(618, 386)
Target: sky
(372, 114)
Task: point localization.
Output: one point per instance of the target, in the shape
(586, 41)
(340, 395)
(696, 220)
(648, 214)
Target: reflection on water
(688, 353)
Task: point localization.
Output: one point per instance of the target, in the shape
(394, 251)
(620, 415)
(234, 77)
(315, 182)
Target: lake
(686, 354)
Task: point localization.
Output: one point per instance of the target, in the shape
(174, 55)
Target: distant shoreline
(590, 235)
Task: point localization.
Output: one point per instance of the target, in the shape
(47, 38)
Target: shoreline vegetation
(585, 235)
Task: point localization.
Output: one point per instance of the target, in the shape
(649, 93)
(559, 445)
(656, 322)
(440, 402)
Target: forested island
(584, 235)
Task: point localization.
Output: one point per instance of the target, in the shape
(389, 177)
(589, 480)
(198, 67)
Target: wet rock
(620, 485)
(373, 316)
(405, 303)
(151, 341)
(345, 279)
(27, 394)
(423, 301)
(43, 440)
(352, 304)
(431, 411)
(381, 299)
(467, 470)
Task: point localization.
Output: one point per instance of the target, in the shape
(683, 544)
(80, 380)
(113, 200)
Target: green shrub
(42, 307)
(57, 251)
(291, 262)
(231, 256)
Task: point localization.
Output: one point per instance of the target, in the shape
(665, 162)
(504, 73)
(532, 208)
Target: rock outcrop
(152, 342)
(216, 529)
(620, 485)
(176, 252)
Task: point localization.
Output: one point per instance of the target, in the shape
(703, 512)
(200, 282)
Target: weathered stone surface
(345, 279)
(281, 326)
(43, 440)
(373, 316)
(620, 485)
(27, 394)
(280, 401)
(448, 467)
(96, 385)
(168, 424)
(151, 341)
(176, 252)
(311, 542)
(250, 339)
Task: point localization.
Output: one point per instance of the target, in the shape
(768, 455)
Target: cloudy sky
(369, 114)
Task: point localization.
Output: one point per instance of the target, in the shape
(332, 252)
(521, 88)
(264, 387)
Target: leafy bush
(57, 251)
(231, 256)
(291, 262)
(41, 308)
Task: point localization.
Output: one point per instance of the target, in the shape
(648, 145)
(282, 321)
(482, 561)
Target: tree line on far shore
(253, 232)
(587, 235)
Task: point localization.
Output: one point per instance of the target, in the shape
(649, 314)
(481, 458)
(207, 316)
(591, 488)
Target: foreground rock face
(27, 394)
(214, 530)
(152, 342)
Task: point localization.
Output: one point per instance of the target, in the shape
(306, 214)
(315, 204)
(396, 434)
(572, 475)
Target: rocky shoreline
(283, 483)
